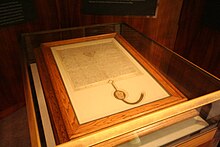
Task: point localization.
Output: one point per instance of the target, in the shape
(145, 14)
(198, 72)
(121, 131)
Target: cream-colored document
(89, 69)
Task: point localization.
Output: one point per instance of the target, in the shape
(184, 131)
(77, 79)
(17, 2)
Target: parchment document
(96, 64)
(86, 69)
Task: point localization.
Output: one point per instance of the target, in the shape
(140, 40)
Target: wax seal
(119, 94)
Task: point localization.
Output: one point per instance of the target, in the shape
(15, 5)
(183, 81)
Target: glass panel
(187, 77)
(33, 40)
(179, 132)
(191, 80)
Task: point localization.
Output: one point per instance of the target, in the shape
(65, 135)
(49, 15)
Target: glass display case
(110, 85)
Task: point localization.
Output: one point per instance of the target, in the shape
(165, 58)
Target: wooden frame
(64, 120)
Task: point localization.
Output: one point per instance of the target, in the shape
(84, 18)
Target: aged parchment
(96, 64)
(87, 69)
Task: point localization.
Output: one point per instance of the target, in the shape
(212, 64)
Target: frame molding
(64, 121)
